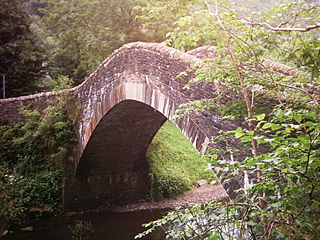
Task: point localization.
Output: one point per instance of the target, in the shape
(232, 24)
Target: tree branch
(286, 21)
(299, 89)
(284, 29)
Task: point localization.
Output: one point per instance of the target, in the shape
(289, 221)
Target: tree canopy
(21, 56)
(83, 33)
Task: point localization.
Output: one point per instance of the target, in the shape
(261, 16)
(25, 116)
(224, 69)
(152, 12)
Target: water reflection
(107, 226)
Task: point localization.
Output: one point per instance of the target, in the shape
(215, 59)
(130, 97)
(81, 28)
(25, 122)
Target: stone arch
(147, 74)
(112, 168)
(155, 98)
(151, 78)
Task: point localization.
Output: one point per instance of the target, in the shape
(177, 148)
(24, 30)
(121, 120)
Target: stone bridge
(122, 106)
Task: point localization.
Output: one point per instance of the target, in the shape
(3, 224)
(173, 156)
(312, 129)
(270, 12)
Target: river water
(106, 226)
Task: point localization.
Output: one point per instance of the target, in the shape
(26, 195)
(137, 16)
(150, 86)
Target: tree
(83, 33)
(20, 55)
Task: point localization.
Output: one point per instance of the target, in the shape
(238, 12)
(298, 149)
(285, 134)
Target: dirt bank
(204, 193)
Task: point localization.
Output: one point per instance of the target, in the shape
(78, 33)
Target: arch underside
(113, 169)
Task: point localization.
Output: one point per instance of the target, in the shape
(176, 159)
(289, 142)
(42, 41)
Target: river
(106, 226)
(116, 225)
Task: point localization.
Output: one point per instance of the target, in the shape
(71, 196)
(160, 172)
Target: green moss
(174, 164)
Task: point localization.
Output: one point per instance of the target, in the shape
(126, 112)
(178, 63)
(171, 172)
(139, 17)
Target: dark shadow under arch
(112, 169)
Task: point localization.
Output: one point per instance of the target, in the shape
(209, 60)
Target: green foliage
(290, 183)
(298, 48)
(20, 193)
(81, 34)
(21, 56)
(32, 154)
(290, 173)
(62, 82)
(279, 197)
(174, 164)
(205, 221)
(160, 16)
(306, 52)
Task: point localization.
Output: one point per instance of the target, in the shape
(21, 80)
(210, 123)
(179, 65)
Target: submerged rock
(27, 229)
(3, 232)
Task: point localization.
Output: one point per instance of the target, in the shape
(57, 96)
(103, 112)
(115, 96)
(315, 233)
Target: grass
(174, 164)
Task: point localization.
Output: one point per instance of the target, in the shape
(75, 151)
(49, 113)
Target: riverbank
(113, 217)
(203, 193)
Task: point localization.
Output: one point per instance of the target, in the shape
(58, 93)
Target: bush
(32, 154)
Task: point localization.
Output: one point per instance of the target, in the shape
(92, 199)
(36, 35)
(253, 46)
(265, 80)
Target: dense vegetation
(174, 164)
(21, 56)
(32, 156)
(41, 40)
